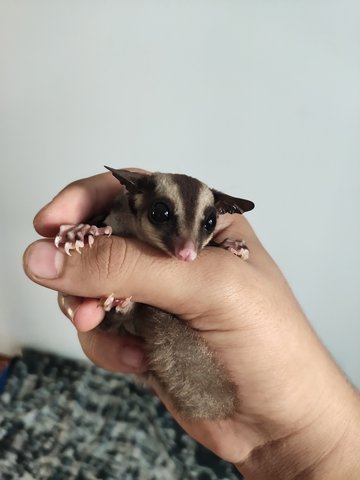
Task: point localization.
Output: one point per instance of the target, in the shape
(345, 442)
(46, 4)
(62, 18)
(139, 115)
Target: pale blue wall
(258, 98)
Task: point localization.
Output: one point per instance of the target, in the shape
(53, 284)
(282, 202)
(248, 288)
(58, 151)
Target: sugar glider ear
(131, 180)
(227, 204)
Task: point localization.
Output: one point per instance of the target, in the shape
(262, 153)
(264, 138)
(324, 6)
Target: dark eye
(210, 223)
(159, 213)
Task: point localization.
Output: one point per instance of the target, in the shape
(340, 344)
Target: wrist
(325, 445)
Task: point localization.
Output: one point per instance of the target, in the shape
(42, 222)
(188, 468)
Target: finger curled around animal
(78, 201)
(117, 353)
(84, 313)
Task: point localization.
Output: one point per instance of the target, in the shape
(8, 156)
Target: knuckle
(109, 257)
(112, 262)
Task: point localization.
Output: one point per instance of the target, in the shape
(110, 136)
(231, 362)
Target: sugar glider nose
(186, 251)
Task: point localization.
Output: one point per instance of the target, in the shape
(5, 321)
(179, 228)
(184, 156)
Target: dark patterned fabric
(66, 419)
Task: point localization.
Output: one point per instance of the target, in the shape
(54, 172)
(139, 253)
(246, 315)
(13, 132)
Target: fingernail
(132, 357)
(44, 260)
(69, 304)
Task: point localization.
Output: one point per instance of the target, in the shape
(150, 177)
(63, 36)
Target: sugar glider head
(175, 212)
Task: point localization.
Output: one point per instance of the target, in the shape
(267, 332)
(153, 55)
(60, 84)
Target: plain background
(259, 99)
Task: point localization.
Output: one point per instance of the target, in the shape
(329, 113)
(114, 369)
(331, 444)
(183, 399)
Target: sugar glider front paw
(237, 247)
(74, 237)
(121, 305)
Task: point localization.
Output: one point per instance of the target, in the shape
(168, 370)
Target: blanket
(67, 419)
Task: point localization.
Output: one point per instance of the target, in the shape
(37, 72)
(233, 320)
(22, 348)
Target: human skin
(298, 416)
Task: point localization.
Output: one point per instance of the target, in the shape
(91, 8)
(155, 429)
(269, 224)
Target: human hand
(245, 311)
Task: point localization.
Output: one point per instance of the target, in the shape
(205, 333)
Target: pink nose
(186, 251)
(187, 254)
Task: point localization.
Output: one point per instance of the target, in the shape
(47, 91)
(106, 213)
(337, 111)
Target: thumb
(127, 268)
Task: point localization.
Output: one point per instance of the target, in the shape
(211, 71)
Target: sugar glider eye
(210, 222)
(159, 213)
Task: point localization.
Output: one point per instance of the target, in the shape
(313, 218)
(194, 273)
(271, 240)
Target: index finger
(77, 202)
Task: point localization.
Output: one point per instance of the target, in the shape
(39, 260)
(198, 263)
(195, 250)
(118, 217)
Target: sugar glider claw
(237, 247)
(74, 237)
(121, 305)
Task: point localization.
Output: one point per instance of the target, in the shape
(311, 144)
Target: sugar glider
(176, 214)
